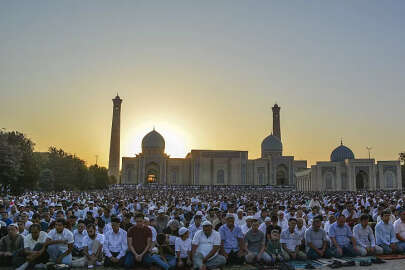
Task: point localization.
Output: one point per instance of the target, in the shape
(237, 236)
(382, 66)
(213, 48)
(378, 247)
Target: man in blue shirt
(385, 235)
(344, 244)
(232, 246)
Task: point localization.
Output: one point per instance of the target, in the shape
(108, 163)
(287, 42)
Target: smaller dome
(153, 140)
(272, 143)
(341, 153)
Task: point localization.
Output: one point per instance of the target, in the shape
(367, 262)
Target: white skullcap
(182, 230)
(267, 219)
(206, 223)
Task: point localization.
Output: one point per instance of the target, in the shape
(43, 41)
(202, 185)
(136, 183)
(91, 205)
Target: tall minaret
(276, 121)
(114, 162)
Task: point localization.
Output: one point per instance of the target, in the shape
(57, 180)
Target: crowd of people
(196, 228)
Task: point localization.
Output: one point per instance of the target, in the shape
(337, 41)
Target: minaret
(276, 121)
(114, 162)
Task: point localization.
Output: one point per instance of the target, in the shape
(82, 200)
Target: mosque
(230, 167)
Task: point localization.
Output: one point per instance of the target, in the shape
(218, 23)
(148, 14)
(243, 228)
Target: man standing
(205, 247)
(317, 243)
(365, 238)
(232, 246)
(342, 238)
(60, 243)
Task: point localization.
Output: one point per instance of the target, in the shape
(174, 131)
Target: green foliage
(22, 169)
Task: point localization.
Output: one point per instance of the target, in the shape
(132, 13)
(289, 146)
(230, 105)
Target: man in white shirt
(115, 244)
(205, 247)
(399, 228)
(79, 235)
(93, 249)
(240, 219)
(35, 247)
(365, 239)
(60, 243)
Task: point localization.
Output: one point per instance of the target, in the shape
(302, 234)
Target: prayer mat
(391, 257)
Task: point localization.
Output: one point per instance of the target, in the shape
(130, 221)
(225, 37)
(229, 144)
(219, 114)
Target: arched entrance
(281, 175)
(152, 173)
(361, 180)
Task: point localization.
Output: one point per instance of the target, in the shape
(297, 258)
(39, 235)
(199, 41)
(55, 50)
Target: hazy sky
(205, 74)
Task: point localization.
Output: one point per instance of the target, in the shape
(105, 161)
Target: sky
(205, 74)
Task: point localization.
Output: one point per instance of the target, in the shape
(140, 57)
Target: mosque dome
(272, 144)
(153, 140)
(341, 153)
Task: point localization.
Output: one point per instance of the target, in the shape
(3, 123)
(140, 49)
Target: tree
(17, 164)
(402, 159)
(46, 180)
(101, 178)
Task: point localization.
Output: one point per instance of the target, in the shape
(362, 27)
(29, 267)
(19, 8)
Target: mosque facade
(344, 172)
(213, 167)
(230, 167)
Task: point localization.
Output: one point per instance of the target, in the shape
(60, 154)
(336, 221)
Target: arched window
(390, 181)
(220, 176)
(174, 177)
(329, 180)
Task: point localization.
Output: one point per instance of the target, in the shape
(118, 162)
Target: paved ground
(389, 265)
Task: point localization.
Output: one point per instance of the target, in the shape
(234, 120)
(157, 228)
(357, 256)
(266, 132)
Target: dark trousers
(15, 260)
(43, 258)
(233, 258)
(77, 252)
(108, 262)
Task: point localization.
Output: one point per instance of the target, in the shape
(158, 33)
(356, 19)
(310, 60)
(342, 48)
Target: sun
(176, 140)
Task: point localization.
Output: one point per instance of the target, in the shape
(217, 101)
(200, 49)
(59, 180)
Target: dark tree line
(402, 159)
(23, 169)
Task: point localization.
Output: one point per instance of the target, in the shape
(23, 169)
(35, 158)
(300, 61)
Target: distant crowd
(196, 227)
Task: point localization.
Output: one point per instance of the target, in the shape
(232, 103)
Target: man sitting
(399, 228)
(385, 235)
(255, 241)
(342, 238)
(11, 247)
(232, 247)
(79, 235)
(205, 246)
(35, 247)
(316, 240)
(60, 243)
(93, 247)
(365, 238)
(291, 241)
(115, 245)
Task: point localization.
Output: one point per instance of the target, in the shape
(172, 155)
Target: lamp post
(369, 150)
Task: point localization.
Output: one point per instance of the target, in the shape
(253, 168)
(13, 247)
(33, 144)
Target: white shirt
(154, 233)
(184, 246)
(245, 229)
(88, 242)
(79, 238)
(240, 222)
(115, 242)
(204, 243)
(263, 228)
(399, 227)
(30, 243)
(65, 235)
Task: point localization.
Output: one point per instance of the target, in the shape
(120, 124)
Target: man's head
(275, 234)
(59, 225)
(230, 220)
(115, 224)
(292, 222)
(197, 220)
(35, 229)
(255, 225)
(317, 222)
(401, 212)
(207, 227)
(91, 230)
(81, 226)
(139, 219)
(341, 220)
(386, 215)
(300, 223)
(364, 220)
(12, 230)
